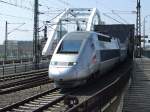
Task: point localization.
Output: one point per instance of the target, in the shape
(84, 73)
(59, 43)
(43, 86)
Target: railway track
(53, 100)
(45, 101)
(21, 75)
(57, 101)
(15, 82)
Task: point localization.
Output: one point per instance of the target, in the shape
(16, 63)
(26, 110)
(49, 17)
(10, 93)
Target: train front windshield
(72, 42)
(70, 46)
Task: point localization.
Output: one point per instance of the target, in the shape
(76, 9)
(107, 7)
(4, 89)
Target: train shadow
(99, 83)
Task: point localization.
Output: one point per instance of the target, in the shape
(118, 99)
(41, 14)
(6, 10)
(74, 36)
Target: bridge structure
(125, 88)
(71, 19)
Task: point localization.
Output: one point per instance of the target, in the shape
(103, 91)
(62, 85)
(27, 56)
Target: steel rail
(35, 101)
(21, 75)
(22, 81)
(42, 102)
(34, 80)
(30, 84)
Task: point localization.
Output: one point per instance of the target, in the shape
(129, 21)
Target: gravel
(8, 99)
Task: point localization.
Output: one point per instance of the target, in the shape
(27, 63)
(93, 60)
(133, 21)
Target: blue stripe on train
(109, 54)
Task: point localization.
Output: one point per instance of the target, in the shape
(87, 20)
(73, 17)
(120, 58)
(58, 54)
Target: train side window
(103, 38)
(92, 46)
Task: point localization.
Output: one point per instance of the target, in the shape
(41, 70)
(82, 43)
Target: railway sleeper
(18, 110)
(63, 105)
(33, 105)
(44, 99)
(53, 94)
(56, 108)
(38, 102)
(51, 97)
(24, 107)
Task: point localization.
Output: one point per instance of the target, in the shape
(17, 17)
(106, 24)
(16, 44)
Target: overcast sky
(24, 16)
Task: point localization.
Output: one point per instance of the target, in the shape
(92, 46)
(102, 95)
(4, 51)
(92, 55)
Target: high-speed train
(80, 55)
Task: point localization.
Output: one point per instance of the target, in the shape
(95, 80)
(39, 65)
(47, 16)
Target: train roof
(80, 35)
(77, 35)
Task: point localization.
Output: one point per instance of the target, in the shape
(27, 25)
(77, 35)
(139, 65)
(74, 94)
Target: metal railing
(22, 60)
(12, 61)
(23, 67)
(96, 102)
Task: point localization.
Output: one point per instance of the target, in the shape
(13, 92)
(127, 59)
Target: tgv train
(79, 55)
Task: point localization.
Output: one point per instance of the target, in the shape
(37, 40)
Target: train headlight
(72, 63)
(53, 63)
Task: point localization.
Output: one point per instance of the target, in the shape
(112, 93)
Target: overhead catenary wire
(124, 12)
(106, 7)
(119, 16)
(20, 4)
(55, 3)
(65, 2)
(24, 30)
(51, 8)
(112, 18)
(16, 5)
(19, 17)
(16, 28)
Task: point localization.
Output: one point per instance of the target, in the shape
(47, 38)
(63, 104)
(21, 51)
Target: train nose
(62, 73)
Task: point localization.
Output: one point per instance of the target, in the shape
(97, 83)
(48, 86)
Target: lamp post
(144, 21)
(6, 37)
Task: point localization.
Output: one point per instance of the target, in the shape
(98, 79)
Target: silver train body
(79, 55)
